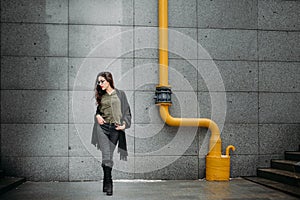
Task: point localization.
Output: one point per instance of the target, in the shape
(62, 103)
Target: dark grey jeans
(109, 139)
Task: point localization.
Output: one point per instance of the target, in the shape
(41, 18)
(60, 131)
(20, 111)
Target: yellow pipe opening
(217, 165)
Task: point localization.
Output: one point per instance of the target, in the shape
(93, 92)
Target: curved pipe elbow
(230, 147)
(200, 122)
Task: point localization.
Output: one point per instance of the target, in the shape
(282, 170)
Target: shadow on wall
(33, 88)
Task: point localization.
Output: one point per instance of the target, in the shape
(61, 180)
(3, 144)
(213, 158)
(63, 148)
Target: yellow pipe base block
(217, 168)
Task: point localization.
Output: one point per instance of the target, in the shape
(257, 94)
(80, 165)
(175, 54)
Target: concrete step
(8, 183)
(289, 189)
(292, 155)
(289, 165)
(283, 176)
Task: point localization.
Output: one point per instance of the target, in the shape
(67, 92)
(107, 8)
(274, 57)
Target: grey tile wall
(234, 61)
(41, 11)
(100, 41)
(245, 73)
(34, 106)
(37, 168)
(279, 76)
(101, 12)
(279, 108)
(227, 14)
(228, 44)
(34, 140)
(278, 15)
(34, 73)
(183, 168)
(278, 46)
(242, 107)
(283, 133)
(34, 39)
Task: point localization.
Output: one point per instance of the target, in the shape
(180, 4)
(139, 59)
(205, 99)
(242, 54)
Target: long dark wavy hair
(98, 91)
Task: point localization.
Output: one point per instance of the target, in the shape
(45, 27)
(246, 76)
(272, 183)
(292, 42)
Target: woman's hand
(119, 127)
(100, 119)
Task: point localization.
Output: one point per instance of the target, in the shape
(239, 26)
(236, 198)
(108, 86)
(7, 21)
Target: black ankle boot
(109, 183)
(104, 178)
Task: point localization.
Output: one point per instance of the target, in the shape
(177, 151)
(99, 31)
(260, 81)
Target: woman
(112, 117)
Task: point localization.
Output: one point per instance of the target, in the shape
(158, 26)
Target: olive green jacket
(126, 117)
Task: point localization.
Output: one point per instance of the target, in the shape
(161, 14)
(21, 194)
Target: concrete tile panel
(264, 161)
(34, 73)
(204, 140)
(37, 168)
(278, 46)
(243, 165)
(201, 167)
(184, 104)
(82, 106)
(146, 74)
(278, 138)
(228, 44)
(227, 14)
(157, 167)
(183, 75)
(235, 75)
(83, 72)
(85, 168)
(243, 136)
(180, 13)
(100, 41)
(42, 11)
(80, 141)
(279, 108)
(34, 39)
(162, 140)
(34, 140)
(146, 12)
(241, 107)
(278, 15)
(146, 42)
(34, 106)
(101, 12)
(89, 168)
(182, 42)
(146, 112)
(279, 76)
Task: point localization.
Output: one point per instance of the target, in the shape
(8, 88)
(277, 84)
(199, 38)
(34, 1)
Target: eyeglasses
(100, 82)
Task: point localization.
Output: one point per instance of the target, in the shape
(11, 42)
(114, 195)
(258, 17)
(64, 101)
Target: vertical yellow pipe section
(217, 165)
(163, 44)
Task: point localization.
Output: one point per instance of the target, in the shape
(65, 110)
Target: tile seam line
(148, 58)
(145, 26)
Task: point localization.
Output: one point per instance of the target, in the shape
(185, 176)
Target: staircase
(8, 183)
(284, 175)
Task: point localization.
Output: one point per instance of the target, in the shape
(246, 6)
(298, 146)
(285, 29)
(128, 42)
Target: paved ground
(236, 189)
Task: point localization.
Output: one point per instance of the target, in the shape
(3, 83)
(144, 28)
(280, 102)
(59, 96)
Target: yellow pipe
(217, 165)
(163, 44)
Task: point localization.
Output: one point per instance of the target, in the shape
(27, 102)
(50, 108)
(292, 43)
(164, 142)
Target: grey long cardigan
(126, 116)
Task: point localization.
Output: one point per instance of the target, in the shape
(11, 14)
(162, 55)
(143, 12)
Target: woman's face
(104, 84)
